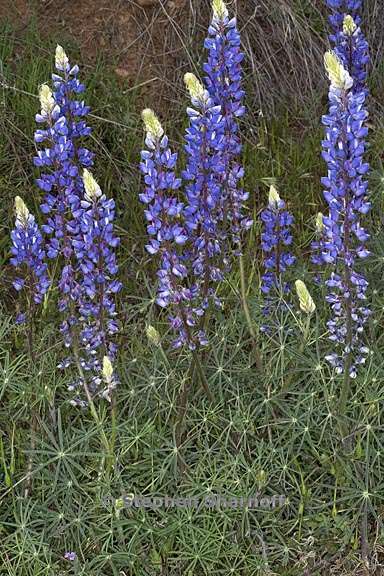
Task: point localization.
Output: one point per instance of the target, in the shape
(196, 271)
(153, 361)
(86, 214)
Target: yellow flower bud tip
(152, 124)
(349, 26)
(22, 212)
(107, 369)
(92, 189)
(338, 75)
(119, 503)
(195, 88)
(319, 222)
(153, 335)
(274, 197)
(220, 11)
(307, 304)
(47, 101)
(61, 59)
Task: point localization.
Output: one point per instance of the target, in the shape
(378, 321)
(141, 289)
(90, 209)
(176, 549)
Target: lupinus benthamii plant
(80, 232)
(62, 157)
(166, 228)
(346, 194)
(28, 257)
(191, 235)
(95, 252)
(276, 239)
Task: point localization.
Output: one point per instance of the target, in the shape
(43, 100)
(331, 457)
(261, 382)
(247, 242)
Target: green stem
(244, 300)
(90, 400)
(33, 428)
(202, 376)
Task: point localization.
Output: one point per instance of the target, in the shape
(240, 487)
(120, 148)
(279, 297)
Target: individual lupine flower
(28, 256)
(346, 194)
(348, 40)
(275, 238)
(60, 159)
(167, 231)
(203, 174)
(223, 80)
(307, 304)
(94, 248)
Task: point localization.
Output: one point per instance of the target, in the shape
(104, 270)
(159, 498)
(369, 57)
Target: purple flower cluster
(191, 237)
(203, 175)
(167, 231)
(79, 224)
(94, 247)
(224, 84)
(28, 256)
(61, 159)
(341, 8)
(349, 42)
(345, 192)
(275, 239)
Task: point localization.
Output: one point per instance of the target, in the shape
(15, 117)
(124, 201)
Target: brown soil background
(151, 43)
(144, 40)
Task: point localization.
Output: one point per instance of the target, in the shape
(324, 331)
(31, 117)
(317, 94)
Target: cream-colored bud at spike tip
(22, 212)
(107, 369)
(219, 9)
(338, 75)
(195, 87)
(61, 59)
(92, 189)
(152, 124)
(274, 197)
(319, 222)
(46, 99)
(349, 26)
(307, 304)
(153, 335)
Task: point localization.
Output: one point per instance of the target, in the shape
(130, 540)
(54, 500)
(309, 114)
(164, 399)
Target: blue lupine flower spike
(276, 238)
(344, 237)
(28, 256)
(224, 83)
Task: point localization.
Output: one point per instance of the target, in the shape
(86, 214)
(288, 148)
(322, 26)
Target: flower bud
(61, 59)
(107, 369)
(22, 212)
(92, 189)
(153, 335)
(152, 124)
(220, 11)
(338, 75)
(47, 101)
(307, 304)
(195, 88)
(349, 26)
(274, 197)
(319, 223)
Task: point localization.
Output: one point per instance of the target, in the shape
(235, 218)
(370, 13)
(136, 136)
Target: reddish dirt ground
(142, 39)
